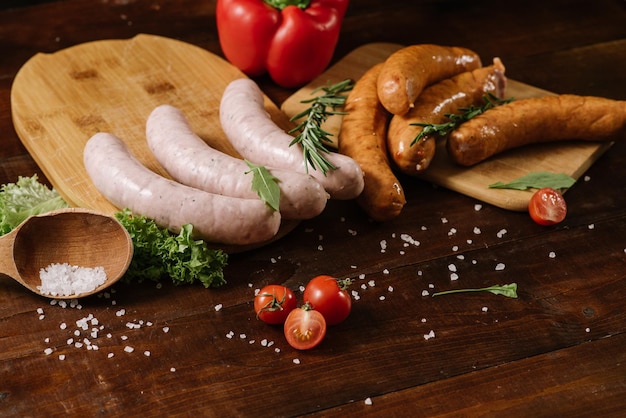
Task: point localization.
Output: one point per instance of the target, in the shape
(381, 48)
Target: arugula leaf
(24, 198)
(508, 290)
(265, 184)
(160, 253)
(537, 180)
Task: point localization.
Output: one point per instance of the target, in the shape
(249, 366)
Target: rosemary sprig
(311, 136)
(508, 290)
(443, 129)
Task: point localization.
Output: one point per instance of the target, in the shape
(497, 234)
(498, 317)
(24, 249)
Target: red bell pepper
(292, 40)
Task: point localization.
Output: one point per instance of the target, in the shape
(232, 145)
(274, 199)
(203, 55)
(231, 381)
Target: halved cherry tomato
(305, 328)
(330, 297)
(273, 303)
(547, 206)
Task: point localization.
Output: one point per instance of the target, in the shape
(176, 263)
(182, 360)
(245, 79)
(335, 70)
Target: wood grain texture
(572, 158)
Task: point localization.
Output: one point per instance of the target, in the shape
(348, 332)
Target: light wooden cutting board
(60, 100)
(572, 158)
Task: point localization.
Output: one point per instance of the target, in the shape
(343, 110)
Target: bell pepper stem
(281, 4)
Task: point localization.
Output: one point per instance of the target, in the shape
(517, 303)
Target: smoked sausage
(431, 107)
(409, 70)
(543, 119)
(127, 183)
(363, 137)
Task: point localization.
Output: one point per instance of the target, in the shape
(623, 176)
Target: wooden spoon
(79, 237)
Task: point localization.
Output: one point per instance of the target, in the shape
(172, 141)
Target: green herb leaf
(158, 253)
(265, 184)
(508, 290)
(443, 129)
(24, 198)
(311, 136)
(537, 180)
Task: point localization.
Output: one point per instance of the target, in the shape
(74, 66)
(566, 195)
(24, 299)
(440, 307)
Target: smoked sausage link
(363, 136)
(432, 106)
(127, 183)
(543, 119)
(409, 70)
(191, 161)
(257, 138)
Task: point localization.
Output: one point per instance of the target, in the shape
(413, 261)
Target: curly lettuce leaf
(24, 198)
(159, 253)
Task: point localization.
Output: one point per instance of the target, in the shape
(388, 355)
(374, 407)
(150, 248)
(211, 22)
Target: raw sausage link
(191, 161)
(544, 119)
(363, 136)
(409, 70)
(437, 100)
(127, 183)
(257, 138)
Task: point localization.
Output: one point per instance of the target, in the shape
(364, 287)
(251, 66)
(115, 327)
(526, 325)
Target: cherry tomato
(547, 206)
(330, 297)
(305, 328)
(273, 303)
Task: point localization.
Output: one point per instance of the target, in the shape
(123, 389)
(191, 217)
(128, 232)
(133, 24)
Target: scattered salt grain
(500, 266)
(173, 369)
(121, 312)
(444, 220)
(371, 283)
(383, 246)
(320, 248)
(146, 353)
(430, 335)
(129, 349)
(382, 297)
(485, 309)
(451, 232)
(451, 267)
(63, 325)
(477, 230)
(110, 355)
(48, 351)
(390, 289)
(586, 178)
(218, 307)
(552, 254)
(454, 277)
(591, 226)
(296, 361)
(587, 330)
(501, 233)
(478, 207)
(62, 279)
(61, 357)
(425, 293)
(166, 329)
(242, 336)
(368, 401)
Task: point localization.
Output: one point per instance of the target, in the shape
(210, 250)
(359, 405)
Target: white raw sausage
(257, 138)
(127, 183)
(191, 161)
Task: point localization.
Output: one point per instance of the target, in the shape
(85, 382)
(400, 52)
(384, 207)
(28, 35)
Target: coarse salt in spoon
(69, 248)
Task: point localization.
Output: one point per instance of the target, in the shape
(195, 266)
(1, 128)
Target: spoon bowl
(76, 236)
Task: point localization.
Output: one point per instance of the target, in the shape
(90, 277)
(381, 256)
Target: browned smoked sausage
(363, 137)
(409, 70)
(432, 106)
(527, 121)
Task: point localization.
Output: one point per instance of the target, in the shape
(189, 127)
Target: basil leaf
(265, 184)
(537, 180)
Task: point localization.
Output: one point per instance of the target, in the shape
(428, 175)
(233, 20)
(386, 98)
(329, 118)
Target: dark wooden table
(557, 350)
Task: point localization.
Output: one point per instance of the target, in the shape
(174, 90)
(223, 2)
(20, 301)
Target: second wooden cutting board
(572, 158)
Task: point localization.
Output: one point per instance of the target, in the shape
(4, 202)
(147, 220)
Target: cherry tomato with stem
(330, 297)
(273, 303)
(304, 328)
(547, 207)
